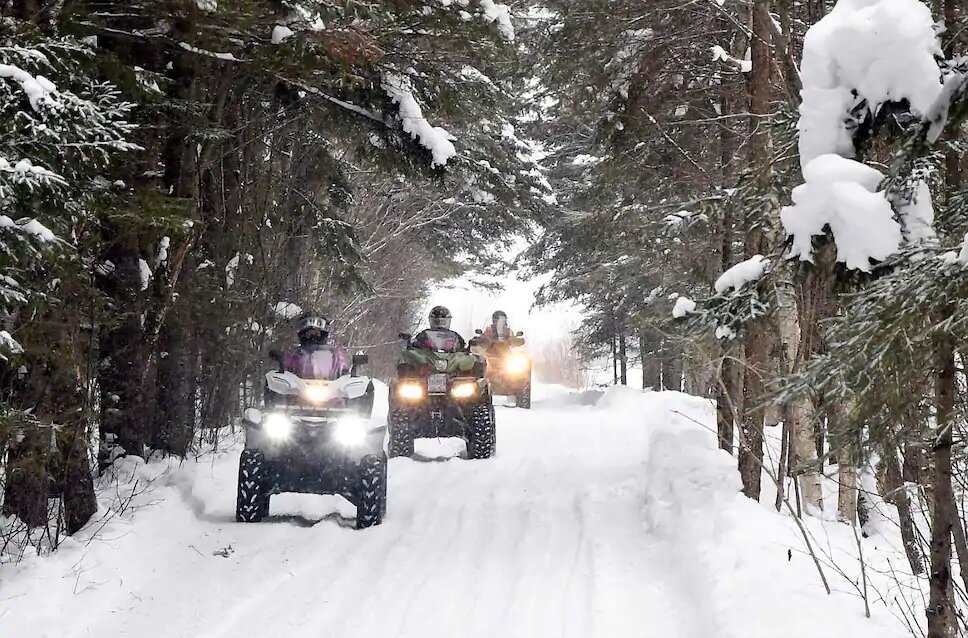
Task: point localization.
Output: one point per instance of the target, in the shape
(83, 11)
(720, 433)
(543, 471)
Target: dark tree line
(203, 169)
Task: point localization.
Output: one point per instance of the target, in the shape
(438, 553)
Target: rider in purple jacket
(314, 359)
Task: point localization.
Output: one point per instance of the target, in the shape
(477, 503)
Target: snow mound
(842, 194)
(748, 563)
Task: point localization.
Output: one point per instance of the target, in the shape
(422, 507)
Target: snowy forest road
(547, 539)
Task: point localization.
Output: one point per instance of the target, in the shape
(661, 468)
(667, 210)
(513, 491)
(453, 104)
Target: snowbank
(747, 562)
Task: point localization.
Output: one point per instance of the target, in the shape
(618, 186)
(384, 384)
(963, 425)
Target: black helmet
(499, 314)
(440, 318)
(312, 328)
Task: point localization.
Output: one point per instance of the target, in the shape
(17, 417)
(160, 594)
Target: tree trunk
(614, 360)
(892, 486)
(751, 443)
(623, 361)
(651, 367)
(172, 401)
(672, 371)
(757, 338)
(783, 472)
(941, 612)
(847, 461)
(74, 478)
(121, 354)
(25, 488)
(799, 412)
(729, 401)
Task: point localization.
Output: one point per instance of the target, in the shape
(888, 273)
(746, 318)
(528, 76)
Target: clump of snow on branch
(433, 138)
(499, 14)
(230, 269)
(287, 310)
(37, 88)
(8, 343)
(721, 55)
(842, 194)
(145, 272)
(280, 33)
(963, 255)
(742, 273)
(873, 50)
(682, 307)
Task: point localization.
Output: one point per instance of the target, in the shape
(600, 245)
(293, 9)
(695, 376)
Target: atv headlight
(410, 391)
(350, 431)
(516, 363)
(464, 390)
(277, 426)
(316, 393)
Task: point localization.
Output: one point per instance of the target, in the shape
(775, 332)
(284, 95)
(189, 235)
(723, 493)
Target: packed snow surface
(842, 193)
(873, 50)
(603, 515)
(742, 273)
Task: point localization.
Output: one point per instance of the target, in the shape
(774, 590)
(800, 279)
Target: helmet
(312, 328)
(440, 318)
(499, 314)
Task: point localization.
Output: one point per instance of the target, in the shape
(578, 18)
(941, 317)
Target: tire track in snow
(546, 540)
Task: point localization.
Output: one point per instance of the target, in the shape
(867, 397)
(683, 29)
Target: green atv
(441, 394)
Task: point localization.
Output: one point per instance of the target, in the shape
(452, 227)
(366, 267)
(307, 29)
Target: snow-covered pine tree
(63, 132)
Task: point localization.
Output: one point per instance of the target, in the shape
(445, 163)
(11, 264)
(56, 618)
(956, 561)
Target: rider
(499, 329)
(314, 359)
(439, 336)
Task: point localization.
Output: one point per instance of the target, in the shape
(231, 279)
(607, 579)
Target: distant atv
(508, 368)
(314, 436)
(441, 394)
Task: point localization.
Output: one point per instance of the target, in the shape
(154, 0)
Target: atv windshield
(437, 340)
(322, 364)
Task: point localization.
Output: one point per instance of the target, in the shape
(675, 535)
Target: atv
(508, 368)
(314, 436)
(441, 394)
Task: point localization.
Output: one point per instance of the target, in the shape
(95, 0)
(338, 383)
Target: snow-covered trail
(547, 539)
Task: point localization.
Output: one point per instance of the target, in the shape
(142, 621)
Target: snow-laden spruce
(864, 50)
(859, 57)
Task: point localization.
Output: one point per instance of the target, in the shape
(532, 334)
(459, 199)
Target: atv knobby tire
(482, 434)
(401, 434)
(253, 498)
(523, 398)
(372, 495)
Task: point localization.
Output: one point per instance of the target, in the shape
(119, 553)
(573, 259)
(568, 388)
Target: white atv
(314, 436)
